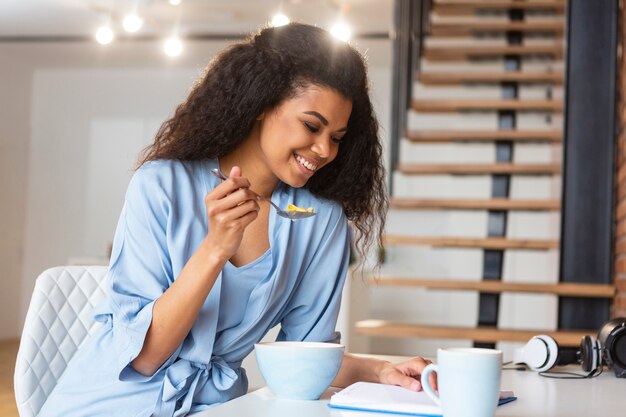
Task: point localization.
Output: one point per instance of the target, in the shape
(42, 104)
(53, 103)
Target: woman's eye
(311, 128)
(336, 139)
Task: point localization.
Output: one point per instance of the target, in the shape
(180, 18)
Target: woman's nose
(322, 147)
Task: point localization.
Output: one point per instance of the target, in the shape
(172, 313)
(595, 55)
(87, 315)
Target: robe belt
(184, 378)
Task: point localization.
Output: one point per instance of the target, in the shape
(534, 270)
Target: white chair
(59, 320)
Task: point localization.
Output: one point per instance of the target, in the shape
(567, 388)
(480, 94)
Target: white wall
(15, 92)
(72, 119)
(88, 126)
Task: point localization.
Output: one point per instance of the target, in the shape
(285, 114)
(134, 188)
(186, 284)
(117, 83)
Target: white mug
(468, 380)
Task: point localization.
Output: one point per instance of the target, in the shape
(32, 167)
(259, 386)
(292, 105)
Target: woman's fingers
(235, 172)
(232, 200)
(228, 186)
(415, 366)
(230, 208)
(408, 374)
(233, 213)
(398, 378)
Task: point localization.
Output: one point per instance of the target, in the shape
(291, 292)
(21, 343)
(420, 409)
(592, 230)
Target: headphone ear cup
(590, 353)
(539, 354)
(553, 352)
(587, 354)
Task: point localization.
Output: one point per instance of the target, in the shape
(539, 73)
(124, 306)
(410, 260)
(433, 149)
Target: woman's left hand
(407, 374)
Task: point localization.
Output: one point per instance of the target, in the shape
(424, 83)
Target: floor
(8, 351)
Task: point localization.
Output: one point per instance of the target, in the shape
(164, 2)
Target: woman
(202, 269)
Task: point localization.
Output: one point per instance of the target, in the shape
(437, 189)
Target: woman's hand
(406, 374)
(230, 207)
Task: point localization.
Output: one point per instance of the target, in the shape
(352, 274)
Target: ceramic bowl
(298, 370)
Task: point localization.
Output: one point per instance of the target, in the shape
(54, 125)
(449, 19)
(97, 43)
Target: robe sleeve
(140, 269)
(314, 308)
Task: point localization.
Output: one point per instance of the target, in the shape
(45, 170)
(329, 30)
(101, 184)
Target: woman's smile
(308, 166)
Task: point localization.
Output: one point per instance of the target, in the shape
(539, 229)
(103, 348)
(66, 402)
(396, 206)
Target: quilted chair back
(59, 320)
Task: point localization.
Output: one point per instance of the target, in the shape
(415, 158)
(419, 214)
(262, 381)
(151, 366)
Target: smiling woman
(201, 268)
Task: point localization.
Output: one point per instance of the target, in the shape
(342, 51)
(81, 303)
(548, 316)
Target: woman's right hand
(230, 207)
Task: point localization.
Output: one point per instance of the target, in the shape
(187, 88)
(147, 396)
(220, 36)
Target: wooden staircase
(452, 53)
(439, 136)
(481, 243)
(479, 169)
(457, 27)
(481, 21)
(468, 7)
(481, 334)
(443, 78)
(435, 106)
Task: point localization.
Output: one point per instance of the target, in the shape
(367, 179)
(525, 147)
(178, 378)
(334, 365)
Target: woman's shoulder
(170, 167)
(164, 170)
(167, 176)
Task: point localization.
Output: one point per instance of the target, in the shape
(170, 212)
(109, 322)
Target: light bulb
(104, 35)
(175, 2)
(341, 31)
(280, 20)
(173, 47)
(132, 23)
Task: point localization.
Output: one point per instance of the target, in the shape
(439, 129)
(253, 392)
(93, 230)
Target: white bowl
(299, 370)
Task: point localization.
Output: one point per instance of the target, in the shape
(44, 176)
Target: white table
(604, 396)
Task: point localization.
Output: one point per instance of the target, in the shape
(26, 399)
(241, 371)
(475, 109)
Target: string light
(280, 20)
(104, 35)
(341, 31)
(132, 23)
(173, 47)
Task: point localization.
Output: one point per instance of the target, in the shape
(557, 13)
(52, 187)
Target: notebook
(368, 396)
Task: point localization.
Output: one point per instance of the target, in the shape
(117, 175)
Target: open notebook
(367, 396)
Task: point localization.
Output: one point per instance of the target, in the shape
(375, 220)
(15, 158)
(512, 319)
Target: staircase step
(457, 7)
(445, 136)
(479, 169)
(474, 204)
(440, 78)
(451, 53)
(461, 27)
(438, 106)
(498, 243)
(382, 328)
(562, 289)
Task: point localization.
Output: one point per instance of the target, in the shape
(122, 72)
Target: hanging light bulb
(280, 20)
(104, 35)
(175, 2)
(341, 31)
(173, 46)
(132, 23)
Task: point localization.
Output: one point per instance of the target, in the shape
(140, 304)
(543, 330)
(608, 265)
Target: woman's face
(304, 133)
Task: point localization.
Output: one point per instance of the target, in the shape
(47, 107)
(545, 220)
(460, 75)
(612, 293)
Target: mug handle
(426, 384)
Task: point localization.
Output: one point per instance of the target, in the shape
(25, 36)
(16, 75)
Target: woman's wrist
(379, 368)
(213, 255)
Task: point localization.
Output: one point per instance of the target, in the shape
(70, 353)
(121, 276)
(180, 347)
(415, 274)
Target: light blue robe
(162, 224)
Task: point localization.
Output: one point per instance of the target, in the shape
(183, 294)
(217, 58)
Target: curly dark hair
(252, 76)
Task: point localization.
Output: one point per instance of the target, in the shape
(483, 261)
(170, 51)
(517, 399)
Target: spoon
(292, 215)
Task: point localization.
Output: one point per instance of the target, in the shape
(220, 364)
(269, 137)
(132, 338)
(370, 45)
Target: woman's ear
(261, 116)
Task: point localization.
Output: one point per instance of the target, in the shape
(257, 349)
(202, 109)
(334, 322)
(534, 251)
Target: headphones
(542, 352)
(613, 337)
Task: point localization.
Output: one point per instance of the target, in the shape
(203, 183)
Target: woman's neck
(249, 158)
